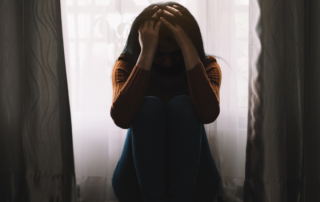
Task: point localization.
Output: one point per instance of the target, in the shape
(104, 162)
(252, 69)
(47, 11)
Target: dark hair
(189, 24)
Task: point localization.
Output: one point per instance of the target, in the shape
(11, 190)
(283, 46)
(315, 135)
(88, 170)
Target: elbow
(211, 115)
(119, 120)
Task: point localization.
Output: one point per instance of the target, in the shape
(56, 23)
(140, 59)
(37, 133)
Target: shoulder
(126, 58)
(211, 62)
(124, 62)
(212, 67)
(210, 59)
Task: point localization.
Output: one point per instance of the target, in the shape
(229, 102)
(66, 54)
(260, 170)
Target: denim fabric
(166, 156)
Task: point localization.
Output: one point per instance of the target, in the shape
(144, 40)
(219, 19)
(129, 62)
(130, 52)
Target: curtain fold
(282, 155)
(36, 150)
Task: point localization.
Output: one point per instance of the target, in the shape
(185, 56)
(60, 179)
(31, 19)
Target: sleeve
(129, 87)
(204, 87)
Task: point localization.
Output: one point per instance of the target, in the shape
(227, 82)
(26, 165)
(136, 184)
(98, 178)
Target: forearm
(128, 95)
(145, 60)
(190, 55)
(203, 93)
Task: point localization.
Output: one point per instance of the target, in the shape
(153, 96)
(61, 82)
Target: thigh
(124, 181)
(208, 178)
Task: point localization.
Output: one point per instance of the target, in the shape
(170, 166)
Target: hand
(190, 53)
(148, 36)
(181, 37)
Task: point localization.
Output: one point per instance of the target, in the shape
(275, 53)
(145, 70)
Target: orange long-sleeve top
(131, 83)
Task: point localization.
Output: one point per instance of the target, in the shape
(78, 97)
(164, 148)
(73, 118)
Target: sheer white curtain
(95, 32)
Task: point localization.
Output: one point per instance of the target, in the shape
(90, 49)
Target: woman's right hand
(148, 36)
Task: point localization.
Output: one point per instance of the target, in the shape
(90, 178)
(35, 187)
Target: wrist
(145, 60)
(148, 53)
(191, 57)
(188, 47)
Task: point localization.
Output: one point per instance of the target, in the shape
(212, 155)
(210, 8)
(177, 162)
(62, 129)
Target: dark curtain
(283, 145)
(36, 150)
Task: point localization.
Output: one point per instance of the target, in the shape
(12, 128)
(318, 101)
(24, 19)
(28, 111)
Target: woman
(164, 90)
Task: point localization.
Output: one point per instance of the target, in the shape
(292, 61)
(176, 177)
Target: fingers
(157, 13)
(167, 23)
(145, 25)
(151, 24)
(173, 10)
(157, 26)
(168, 13)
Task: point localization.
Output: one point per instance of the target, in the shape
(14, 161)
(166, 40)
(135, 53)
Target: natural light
(94, 34)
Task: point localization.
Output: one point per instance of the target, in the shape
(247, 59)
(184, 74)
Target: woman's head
(168, 56)
(168, 51)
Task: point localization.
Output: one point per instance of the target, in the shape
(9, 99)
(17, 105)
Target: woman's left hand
(181, 37)
(190, 54)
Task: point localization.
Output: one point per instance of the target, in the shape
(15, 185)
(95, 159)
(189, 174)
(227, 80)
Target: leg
(124, 181)
(208, 179)
(139, 175)
(148, 132)
(185, 138)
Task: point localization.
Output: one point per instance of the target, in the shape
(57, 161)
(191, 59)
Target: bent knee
(153, 101)
(181, 106)
(152, 108)
(152, 104)
(180, 99)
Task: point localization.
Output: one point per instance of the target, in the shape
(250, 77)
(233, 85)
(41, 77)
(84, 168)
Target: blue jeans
(155, 167)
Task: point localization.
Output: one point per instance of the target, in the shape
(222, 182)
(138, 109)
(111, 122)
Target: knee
(180, 99)
(181, 105)
(151, 108)
(152, 104)
(180, 102)
(152, 99)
